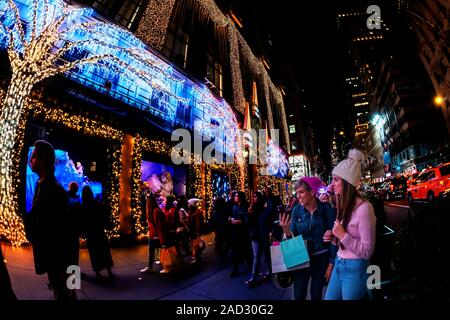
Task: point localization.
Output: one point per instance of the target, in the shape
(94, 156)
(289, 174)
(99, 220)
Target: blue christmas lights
(131, 72)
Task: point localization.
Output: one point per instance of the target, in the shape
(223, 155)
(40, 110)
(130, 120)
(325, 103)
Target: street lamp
(439, 100)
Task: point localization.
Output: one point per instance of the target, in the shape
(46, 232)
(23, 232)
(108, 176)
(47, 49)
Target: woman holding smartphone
(311, 219)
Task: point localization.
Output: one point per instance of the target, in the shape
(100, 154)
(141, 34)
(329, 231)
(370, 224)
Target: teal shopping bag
(294, 251)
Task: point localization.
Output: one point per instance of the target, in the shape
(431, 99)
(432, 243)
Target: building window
(214, 73)
(292, 128)
(128, 12)
(176, 45)
(123, 13)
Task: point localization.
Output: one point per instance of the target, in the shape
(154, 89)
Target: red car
(430, 184)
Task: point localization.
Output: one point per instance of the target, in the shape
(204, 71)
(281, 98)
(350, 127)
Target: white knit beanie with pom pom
(350, 168)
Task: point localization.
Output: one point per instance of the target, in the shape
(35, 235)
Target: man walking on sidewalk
(47, 225)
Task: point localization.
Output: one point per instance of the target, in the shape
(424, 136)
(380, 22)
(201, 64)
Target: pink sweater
(359, 240)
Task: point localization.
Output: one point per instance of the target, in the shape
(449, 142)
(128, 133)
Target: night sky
(302, 34)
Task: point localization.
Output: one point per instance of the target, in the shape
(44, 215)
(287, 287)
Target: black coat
(47, 227)
(261, 223)
(95, 218)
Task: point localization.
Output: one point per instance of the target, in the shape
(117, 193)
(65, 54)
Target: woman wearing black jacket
(238, 231)
(261, 220)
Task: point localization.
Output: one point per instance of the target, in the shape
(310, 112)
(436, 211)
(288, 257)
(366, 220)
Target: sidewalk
(206, 281)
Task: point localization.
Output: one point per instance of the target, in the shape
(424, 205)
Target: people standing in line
(195, 217)
(353, 232)
(6, 291)
(94, 225)
(311, 219)
(260, 221)
(238, 232)
(157, 231)
(220, 226)
(47, 223)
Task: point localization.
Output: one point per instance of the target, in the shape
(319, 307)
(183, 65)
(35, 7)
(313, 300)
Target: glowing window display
(66, 171)
(164, 179)
(221, 184)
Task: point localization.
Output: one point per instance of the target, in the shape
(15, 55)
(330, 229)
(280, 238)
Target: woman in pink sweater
(353, 232)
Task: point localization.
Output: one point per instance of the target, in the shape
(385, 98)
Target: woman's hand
(338, 230)
(328, 272)
(325, 197)
(285, 223)
(328, 236)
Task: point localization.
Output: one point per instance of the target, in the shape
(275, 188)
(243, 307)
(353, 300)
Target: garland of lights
(32, 59)
(113, 196)
(91, 128)
(153, 26)
(12, 225)
(277, 185)
(141, 145)
(279, 100)
(238, 90)
(136, 191)
(209, 205)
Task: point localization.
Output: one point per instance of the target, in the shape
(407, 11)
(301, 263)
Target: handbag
(199, 244)
(170, 259)
(294, 251)
(278, 263)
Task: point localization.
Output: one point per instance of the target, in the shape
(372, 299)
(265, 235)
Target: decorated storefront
(109, 109)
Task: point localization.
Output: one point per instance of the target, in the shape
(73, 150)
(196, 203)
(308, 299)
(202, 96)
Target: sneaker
(158, 262)
(250, 282)
(146, 270)
(193, 261)
(164, 271)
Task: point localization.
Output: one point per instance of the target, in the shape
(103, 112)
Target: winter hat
(350, 168)
(314, 183)
(193, 202)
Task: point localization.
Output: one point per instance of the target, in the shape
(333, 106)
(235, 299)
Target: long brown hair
(346, 202)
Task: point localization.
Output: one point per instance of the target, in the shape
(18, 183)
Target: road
(396, 213)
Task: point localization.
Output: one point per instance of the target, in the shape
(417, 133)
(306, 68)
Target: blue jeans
(318, 265)
(260, 248)
(348, 280)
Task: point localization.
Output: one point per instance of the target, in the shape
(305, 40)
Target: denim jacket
(313, 227)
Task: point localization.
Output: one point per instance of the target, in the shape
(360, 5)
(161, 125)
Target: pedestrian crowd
(337, 224)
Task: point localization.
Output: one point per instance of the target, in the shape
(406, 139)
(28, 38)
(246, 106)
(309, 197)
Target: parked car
(392, 189)
(412, 178)
(430, 184)
(372, 191)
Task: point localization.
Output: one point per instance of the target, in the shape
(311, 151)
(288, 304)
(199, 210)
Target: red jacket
(157, 225)
(195, 222)
(170, 218)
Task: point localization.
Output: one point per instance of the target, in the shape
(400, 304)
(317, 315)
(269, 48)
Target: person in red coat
(195, 228)
(157, 230)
